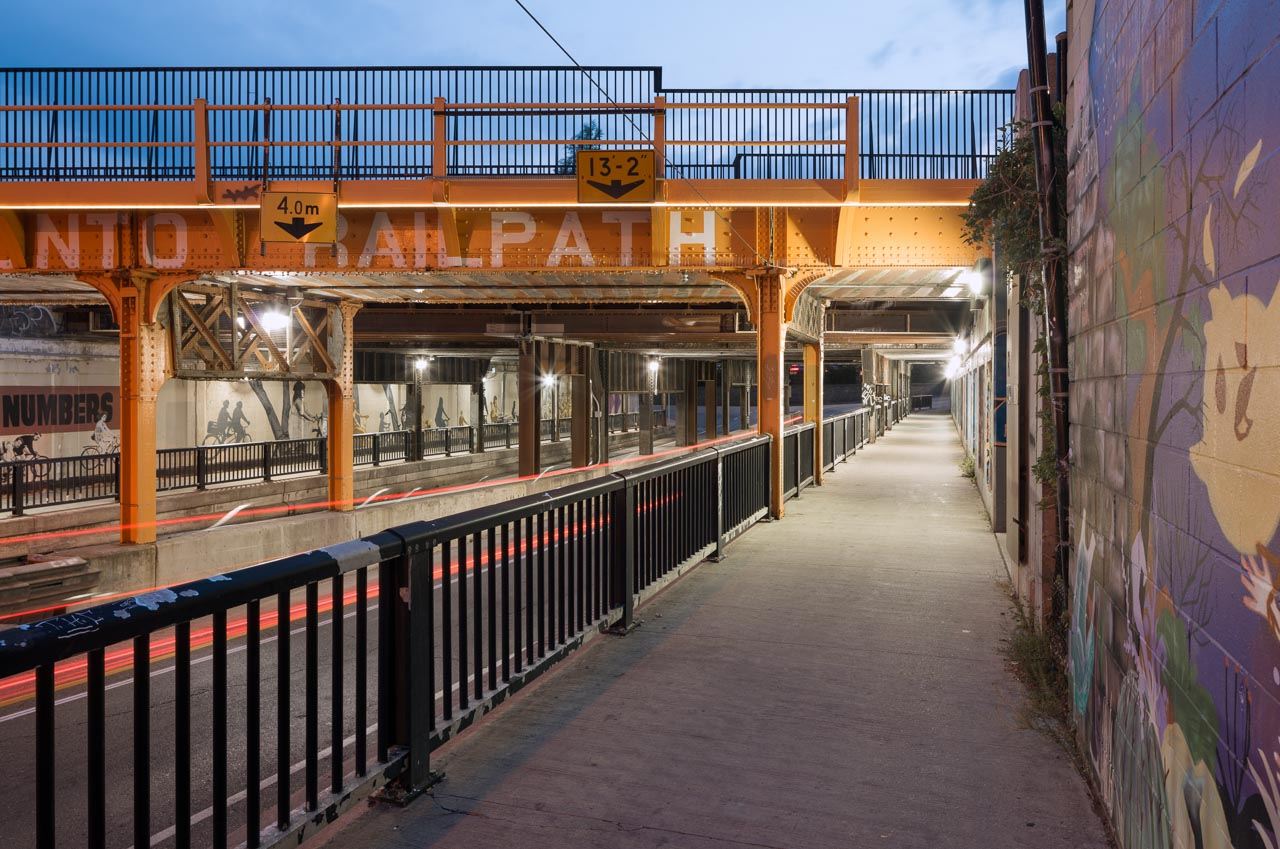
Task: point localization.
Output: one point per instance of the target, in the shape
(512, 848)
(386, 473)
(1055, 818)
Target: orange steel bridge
(458, 186)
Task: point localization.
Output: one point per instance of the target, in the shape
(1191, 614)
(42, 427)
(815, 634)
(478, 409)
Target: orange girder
(431, 238)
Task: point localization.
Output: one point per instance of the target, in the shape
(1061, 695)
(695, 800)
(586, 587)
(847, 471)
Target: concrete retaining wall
(297, 520)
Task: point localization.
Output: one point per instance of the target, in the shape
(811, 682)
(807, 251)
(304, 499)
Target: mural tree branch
(279, 422)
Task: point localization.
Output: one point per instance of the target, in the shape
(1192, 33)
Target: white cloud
(711, 43)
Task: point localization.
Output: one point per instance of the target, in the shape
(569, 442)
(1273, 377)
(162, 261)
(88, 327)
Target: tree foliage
(590, 131)
(1004, 213)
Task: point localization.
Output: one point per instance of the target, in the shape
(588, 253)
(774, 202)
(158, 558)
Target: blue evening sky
(698, 43)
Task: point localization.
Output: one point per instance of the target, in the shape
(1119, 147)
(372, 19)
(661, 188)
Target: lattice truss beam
(224, 332)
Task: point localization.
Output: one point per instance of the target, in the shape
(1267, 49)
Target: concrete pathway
(835, 682)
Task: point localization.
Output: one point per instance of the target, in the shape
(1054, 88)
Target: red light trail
(73, 672)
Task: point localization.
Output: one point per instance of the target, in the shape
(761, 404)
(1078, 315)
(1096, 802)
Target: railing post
(202, 467)
(377, 449)
(799, 472)
(200, 141)
(851, 144)
(660, 142)
(439, 141)
(508, 434)
(16, 473)
(266, 461)
(407, 634)
(718, 555)
(448, 441)
(622, 521)
(324, 455)
(421, 697)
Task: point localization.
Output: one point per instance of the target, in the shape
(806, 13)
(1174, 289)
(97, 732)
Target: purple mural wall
(1174, 197)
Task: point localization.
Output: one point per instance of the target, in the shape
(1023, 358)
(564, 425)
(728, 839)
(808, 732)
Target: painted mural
(58, 398)
(1174, 636)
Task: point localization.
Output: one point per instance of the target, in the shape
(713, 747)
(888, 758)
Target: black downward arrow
(298, 228)
(617, 188)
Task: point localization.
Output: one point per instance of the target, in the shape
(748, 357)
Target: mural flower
(1196, 818)
(1144, 643)
(1263, 596)
(1241, 334)
(1270, 793)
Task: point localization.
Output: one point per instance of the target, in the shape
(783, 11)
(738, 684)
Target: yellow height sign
(615, 176)
(296, 217)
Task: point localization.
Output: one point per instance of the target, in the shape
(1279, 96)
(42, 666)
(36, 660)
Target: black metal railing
(798, 459)
(922, 402)
(469, 608)
(623, 422)
(405, 123)
(49, 482)
(374, 449)
(446, 441)
(843, 435)
(801, 133)
(500, 435)
(201, 466)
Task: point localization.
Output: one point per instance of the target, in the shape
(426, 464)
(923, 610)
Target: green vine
(1004, 212)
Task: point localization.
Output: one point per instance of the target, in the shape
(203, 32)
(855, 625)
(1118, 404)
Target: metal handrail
(442, 128)
(549, 568)
(56, 481)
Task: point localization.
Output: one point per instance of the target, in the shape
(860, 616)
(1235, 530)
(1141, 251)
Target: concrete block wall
(1174, 636)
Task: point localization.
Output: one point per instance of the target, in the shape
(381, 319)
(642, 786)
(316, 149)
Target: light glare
(274, 320)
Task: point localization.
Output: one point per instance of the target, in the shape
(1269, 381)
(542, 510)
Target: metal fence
(47, 481)
(797, 459)
(412, 123)
(468, 609)
(374, 449)
(801, 134)
(53, 481)
(843, 435)
(623, 422)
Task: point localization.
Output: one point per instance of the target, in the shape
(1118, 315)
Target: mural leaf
(1246, 167)
(1193, 707)
(1210, 260)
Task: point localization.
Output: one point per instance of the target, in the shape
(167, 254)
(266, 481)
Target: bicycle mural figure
(104, 441)
(229, 427)
(22, 449)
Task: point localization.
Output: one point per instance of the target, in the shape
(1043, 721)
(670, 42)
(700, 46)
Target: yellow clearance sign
(299, 217)
(615, 176)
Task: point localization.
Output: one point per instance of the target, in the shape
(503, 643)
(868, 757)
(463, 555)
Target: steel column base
(621, 630)
(400, 796)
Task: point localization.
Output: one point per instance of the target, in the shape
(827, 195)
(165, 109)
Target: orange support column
(771, 337)
(813, 402)
(341, 434)
(144, 364)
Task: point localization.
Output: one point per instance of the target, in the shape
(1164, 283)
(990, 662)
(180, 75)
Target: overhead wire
(765, 263)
